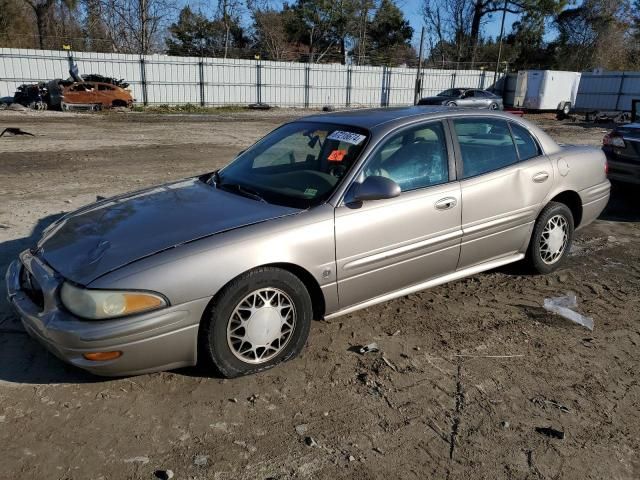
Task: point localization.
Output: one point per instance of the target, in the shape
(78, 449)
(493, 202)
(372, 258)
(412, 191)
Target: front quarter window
(299, 165)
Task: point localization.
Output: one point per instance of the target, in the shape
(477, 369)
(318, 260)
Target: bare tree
(133, 26)
(228, 13)
(42, 11)
(448, 26)
(269, 29)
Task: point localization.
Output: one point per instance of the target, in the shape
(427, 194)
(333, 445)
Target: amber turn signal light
(101, 356)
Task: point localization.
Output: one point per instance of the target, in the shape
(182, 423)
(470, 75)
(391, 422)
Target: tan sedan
(324, 216)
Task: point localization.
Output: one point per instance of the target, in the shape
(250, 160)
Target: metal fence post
(143, 79)
(201, 72)
(348, 99)
(307, 75)
(388, 95)
(453, 80)
(383, 89)
(258, 81)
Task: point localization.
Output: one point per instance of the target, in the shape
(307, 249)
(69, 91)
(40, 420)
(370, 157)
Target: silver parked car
(324, 216)
(465, 97)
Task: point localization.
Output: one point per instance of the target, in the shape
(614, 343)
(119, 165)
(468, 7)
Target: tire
(451, 104)
(494, 106)
(539, 256)
(566, 109)
(229, 318)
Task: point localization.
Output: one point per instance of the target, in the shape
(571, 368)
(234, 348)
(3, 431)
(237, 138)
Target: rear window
(526, 145)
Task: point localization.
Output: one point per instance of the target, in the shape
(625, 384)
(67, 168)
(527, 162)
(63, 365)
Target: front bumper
(160, 340)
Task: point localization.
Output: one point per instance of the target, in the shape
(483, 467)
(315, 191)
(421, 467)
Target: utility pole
(495, 74)
(416, 95)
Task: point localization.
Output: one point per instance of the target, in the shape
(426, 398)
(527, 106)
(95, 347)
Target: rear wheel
(493, 106)
(451, 104)
(551, 238)
(259, 320)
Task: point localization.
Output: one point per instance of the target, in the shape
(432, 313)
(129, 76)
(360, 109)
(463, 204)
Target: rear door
(504, 178)
(386, 245)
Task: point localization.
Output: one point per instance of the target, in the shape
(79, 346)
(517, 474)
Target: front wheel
(551, 238)
(494, 106)
(451, 104)
(259, 320)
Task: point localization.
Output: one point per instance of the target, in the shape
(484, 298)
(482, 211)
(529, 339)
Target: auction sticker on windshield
(347, 137)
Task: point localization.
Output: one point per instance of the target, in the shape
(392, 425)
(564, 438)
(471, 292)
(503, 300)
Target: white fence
(162, 79)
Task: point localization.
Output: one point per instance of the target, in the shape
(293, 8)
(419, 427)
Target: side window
(414, 158)
(526, 145)
(485, 144)
(105, 87)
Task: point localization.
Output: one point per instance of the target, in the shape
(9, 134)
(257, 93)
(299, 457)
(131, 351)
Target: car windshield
(298, 165)
(452, 92)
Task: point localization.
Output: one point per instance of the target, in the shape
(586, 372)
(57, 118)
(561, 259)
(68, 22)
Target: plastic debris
(372, 347)
(550, 432)
(563, 307)
(310, 442)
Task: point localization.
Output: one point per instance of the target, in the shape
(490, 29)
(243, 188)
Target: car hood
(107, 235)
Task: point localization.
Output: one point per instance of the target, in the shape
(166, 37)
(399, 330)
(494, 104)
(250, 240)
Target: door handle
(540, 177)
(446, 203)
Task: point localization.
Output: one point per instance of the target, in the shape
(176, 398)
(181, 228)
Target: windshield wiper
(241, 189)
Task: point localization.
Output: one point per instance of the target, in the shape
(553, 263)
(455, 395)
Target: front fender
(201, 268)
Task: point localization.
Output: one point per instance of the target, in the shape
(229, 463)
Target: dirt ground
(466, 373)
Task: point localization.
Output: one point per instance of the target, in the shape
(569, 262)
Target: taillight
(606, 167)
(613, 140)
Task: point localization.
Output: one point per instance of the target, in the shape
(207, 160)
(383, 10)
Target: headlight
(104, 304)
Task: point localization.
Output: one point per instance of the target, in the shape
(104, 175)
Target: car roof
(383, 120)
(373, 118)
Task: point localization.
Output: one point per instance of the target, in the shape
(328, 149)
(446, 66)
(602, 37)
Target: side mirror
(376, 188)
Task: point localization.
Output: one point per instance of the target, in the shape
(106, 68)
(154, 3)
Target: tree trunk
(226, 40)
(478, 13)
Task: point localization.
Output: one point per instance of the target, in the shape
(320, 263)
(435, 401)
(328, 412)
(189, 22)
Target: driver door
(386, 245)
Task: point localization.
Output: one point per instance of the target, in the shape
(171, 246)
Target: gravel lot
(466, 373)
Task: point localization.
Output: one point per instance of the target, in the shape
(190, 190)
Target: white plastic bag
(563, 306)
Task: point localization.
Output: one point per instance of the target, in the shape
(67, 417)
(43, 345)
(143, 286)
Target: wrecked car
(32, 96)
(95, 95)
(324, 216)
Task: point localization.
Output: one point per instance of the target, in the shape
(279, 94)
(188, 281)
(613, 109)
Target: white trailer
(546, 90)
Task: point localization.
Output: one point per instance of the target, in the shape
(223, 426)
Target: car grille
(29, 285)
